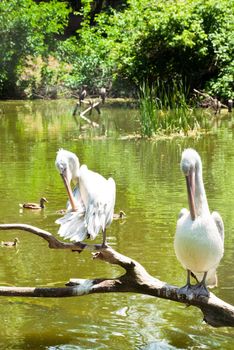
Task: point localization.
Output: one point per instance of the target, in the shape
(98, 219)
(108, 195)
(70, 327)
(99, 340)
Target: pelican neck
(201, 203)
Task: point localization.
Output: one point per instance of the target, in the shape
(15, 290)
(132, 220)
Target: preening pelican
(91, 205)
(35, 206)
(199, 238)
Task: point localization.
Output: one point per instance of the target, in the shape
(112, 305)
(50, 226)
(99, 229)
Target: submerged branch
(136, 279)
(92, 105)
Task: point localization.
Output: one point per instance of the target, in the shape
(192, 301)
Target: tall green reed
(164, 109)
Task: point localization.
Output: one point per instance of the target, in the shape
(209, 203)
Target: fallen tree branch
(136, 279)
(215, 103)
(54, 243)
(92, 105)
(82, 114)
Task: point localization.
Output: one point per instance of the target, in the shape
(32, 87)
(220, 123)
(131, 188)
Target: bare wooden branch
(54, 243)
(92, 105)
(136, 279)
(212, 99)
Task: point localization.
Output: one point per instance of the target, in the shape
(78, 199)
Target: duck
(35, 206)
(10, 244)
(91, 205)
(199, 237)
(120, 215)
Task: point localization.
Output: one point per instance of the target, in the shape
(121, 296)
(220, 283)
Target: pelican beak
(69, 192)
(190, 182)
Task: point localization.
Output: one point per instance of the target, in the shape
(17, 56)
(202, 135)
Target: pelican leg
(104, 245)
(187, 288)
(200, 288)
(188, 277)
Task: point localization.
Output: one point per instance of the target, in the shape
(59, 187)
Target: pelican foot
(104, 246)
(187, 289)
(200, 290)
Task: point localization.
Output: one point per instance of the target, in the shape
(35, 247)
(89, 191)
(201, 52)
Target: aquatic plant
(164, 109)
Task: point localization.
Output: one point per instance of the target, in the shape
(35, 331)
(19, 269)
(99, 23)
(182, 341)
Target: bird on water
(35, 206)
(10, 244)
(199, 238)
(91, 204)
(120, 215)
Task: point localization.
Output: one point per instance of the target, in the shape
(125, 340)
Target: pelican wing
(219, 223)
(212, 279)
(111, 188)
(98, 195)
(72, 224)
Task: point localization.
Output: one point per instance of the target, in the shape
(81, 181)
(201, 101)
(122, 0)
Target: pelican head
(190, 160)
(68, 166)
(190, 166)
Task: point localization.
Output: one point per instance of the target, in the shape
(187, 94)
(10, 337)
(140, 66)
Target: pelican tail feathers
(72, 226)
(96, 219)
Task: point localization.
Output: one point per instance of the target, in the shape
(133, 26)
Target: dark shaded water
(150, 189)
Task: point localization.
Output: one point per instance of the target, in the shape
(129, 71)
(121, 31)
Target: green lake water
(150, 189)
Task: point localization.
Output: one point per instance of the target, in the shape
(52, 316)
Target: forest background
(53, 48)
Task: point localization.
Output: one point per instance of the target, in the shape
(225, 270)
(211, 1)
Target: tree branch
(136, 279)
(54, 243)
(92, 105)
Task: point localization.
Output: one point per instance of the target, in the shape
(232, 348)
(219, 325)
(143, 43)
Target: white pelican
(199, 238)
(91, 204)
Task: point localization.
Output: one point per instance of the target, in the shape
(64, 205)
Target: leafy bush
(189, 40)
(43, 77)
(144, 40)
(26, 28)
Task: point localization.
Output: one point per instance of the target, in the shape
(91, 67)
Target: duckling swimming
(35, 206)
(10, 244)
(120, 215)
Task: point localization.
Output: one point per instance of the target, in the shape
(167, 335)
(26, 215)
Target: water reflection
(150, 189)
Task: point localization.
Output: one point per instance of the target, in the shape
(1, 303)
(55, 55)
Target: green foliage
(43, 77)
(180, 40)
(142, 40)
(88, 68)
(26, 28)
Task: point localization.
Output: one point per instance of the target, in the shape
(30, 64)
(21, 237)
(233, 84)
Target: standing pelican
(199, 238)
(91, 204)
